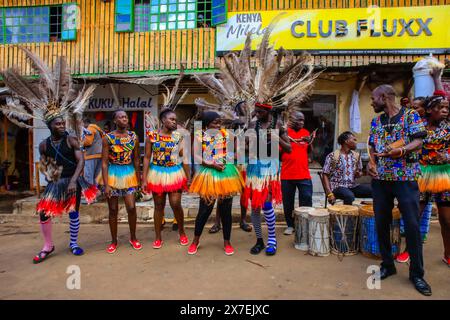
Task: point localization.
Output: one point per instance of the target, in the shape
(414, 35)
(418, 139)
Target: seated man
(340, 170)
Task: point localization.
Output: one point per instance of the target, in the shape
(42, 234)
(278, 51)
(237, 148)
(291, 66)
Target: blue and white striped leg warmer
(269, 215)
(74, 228)
(256, 221)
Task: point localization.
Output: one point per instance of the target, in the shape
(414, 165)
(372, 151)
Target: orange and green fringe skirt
(211, 184)
(435, 178)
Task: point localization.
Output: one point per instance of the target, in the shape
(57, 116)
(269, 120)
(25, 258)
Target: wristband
(330, 194)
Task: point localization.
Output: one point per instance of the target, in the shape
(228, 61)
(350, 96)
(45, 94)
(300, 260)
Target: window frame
(131, 27)
(225, 5)
(60, 39)
(176, 13)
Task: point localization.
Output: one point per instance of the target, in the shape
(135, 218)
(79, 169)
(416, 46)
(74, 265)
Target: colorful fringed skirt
(263, 178)
(56, 201)
(162, 179)
(211, 184)
(435, 182)
(121, 178)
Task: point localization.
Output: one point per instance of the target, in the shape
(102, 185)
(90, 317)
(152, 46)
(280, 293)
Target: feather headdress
(279, 79)
(232, 86)
(52, 96)
(171, 100)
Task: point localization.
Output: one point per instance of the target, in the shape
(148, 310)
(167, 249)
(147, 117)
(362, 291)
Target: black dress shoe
(421, 285)
(386, 272)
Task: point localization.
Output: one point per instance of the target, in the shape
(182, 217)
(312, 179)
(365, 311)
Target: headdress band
(263, 105)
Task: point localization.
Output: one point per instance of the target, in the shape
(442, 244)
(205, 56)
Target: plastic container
(423, 81)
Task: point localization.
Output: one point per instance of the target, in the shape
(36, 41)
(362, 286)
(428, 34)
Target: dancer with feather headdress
(232, 91)
(55, 101)
(166, 175)
(278, 84)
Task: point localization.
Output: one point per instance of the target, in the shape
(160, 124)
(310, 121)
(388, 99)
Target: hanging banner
(414, 30)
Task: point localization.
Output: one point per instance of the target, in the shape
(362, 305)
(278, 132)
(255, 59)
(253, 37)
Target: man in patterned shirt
(340, 170)
(395, 137)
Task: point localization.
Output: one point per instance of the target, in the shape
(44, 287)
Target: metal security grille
(30, 24)
(155, 15)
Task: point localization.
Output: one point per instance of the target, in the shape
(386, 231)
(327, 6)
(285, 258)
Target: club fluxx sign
(414, 30)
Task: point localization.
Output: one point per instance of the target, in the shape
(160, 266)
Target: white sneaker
(288, 231)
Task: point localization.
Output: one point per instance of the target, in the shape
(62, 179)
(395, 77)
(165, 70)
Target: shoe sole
(111, 252)
(229, 254)
(405, 261)
(192, 253)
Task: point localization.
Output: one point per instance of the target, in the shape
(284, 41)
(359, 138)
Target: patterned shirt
(342, 172)
(437, 140)
(214, 147)
(406, 125)
(165, 149)
(121, 148)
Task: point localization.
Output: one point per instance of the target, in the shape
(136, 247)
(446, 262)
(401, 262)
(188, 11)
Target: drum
(301, 228)
(343, 229)
(368, 241)
(318, 230)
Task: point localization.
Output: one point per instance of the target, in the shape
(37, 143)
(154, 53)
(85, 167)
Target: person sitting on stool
(340, 170)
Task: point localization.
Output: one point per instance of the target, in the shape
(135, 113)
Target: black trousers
(288, 189)
(349, 194)
(407, 195)
(224, 207)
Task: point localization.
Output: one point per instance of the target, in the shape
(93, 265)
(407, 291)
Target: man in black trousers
(395, 137)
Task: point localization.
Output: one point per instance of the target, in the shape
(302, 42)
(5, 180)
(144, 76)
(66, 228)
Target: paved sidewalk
(169, 273)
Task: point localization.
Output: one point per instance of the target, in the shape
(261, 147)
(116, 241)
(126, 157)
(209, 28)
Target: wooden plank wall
(248, 5)
(339, 61)
(99, 50)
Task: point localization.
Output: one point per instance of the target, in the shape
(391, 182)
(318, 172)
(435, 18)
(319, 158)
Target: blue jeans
(288, 189)
(349, 194)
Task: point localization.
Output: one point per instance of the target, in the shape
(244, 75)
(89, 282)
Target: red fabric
(263, 105)
(440, 93)
(259, 197)
(294, 165)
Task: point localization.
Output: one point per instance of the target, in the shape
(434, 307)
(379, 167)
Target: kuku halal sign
(359, 29)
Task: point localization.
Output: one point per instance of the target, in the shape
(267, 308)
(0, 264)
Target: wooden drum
(301, 228)
(319, 236)
(343, 229)
(368, 240)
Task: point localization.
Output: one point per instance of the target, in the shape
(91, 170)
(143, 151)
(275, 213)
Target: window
(154, 15)
(36, 24)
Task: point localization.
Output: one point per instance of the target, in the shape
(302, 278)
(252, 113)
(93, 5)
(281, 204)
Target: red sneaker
(403, 257)
(157, 244)
(193, 248)
(112, 248)
(229, 250)
(136, 244)
(184, 240)
(446, 261)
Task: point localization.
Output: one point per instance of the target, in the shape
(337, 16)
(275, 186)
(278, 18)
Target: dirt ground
(170, 273)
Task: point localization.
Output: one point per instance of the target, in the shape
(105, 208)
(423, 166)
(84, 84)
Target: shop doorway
(320, 113)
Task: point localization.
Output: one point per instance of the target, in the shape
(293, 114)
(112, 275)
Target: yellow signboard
(414, 30)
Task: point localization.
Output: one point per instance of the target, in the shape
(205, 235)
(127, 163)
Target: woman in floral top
(435, 163)
(119, 176)
(165, 175)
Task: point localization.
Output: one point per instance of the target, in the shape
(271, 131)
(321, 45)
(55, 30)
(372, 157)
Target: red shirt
(294, 165)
